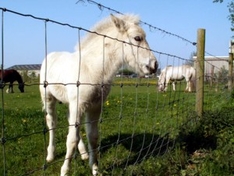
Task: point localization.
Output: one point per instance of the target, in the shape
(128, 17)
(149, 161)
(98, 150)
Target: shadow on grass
(140, 146)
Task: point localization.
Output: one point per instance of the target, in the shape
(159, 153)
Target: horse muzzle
(160, 87)
(152, 67)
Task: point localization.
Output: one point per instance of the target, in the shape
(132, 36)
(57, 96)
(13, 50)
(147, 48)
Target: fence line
(101, 7)
(86, 30)
(156, 143)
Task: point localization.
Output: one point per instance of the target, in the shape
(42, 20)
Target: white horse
(83, 80)
(177, 74)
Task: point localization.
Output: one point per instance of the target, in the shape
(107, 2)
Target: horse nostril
(155, 66)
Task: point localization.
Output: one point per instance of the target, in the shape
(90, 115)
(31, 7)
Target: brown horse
(11, 76)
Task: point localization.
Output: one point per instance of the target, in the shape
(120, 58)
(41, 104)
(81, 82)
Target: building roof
(214, 58)
(26, 67)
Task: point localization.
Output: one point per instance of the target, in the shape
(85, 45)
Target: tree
(231, 11)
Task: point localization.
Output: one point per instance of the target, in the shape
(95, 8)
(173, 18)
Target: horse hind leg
(92, 120)
(51, 121)
(188, 86)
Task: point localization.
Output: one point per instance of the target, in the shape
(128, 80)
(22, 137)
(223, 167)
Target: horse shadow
(142, 146)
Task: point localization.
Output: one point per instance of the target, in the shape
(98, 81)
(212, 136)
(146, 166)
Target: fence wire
(101, 7)
(142, 140)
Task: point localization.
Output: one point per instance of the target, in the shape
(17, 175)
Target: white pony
(177, 74)
(83, 80)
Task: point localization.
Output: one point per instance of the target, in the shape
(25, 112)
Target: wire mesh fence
(138, 124)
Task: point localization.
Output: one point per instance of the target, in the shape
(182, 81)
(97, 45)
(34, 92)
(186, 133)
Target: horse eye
(138, 38)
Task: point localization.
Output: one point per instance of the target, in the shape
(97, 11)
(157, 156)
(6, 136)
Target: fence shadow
(141, 146)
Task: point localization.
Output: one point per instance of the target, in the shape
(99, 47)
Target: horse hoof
(49, 158)
(64, 170)
(84, 156)
(95, 170)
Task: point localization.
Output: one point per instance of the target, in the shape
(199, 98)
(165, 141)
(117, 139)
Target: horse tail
(193, 78)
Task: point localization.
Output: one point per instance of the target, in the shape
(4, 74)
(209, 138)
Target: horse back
(10, 75)
(174, 73)
(56, 75)
(58, 66)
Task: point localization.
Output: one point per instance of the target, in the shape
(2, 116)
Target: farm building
(213, 64)
(31, 69)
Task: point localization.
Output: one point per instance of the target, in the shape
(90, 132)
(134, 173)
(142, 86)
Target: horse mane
(105, 27)
(107, 22)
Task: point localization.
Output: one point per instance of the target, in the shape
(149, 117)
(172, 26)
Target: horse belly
(176, 76)
(99, 93)
(59, 92)
(177, 79)
(88, 94)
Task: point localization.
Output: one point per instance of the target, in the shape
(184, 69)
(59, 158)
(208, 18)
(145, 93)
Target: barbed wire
(69, 25)
(86, 30)
(101, 7)
(155, 142)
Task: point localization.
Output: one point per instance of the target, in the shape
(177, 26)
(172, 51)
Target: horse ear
(119, 23)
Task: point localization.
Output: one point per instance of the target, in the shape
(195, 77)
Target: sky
(24, 37)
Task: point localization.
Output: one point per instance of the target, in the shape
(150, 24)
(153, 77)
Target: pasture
(142, 132)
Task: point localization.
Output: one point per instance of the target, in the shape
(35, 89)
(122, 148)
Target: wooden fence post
(230, 65)
(200, 71)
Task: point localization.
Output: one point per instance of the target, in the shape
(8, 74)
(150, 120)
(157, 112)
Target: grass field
(138, 128)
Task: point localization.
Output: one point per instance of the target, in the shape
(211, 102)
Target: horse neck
(162, 77)
(106, 65)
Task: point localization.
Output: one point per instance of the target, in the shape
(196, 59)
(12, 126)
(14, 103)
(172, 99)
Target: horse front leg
(173, 86)
(92, 120)
(82, 149)
(73, 137)
(166, 85)
(51, 121)
(11, 88)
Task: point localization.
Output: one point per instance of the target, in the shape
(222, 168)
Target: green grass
(139, 128)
